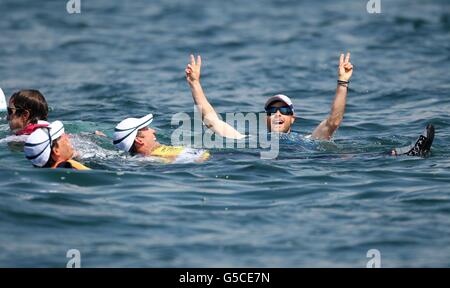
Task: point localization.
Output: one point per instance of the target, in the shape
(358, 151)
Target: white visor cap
(38, 146)
(126, 131)
(280, 97)
(3, 105)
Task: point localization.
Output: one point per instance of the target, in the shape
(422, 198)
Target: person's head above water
(26, 107)
(133, 135)
(280, 113)
(49, 146)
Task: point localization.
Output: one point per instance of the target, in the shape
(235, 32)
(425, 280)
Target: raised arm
(328, 126)
(209, 115)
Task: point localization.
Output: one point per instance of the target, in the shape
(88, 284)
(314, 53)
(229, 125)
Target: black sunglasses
(285, 110)
(11, 110)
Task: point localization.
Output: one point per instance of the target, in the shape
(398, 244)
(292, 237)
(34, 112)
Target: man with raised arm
(279, 108)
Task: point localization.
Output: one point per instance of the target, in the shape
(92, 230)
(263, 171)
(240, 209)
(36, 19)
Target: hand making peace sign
(345, 67)
(193, 69)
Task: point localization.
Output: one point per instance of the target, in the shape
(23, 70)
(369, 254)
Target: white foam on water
(14, 138)
(146, 159)
(88, 149)
(190, 155)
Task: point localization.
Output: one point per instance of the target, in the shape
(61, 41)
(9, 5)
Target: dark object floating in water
(422, 145)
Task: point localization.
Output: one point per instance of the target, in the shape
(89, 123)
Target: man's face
(15, 121)
(145, 140)
(277, 122)
(62, 149)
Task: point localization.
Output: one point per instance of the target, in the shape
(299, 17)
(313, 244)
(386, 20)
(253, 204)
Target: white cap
(38, 146)
(126, 131)
(2, 101)
(279, 97)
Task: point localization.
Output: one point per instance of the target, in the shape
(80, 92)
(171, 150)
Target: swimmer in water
(134, 136)
(280, 110)
(27, 111)
(50, 147)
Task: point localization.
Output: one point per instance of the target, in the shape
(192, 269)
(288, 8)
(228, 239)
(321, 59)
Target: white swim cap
(126, 131)
(38, 146)
(280, 97)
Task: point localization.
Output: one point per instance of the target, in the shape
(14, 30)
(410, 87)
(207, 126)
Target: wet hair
(133, 150)
(33, 102)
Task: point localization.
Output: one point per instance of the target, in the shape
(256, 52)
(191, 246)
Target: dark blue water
(310, 207)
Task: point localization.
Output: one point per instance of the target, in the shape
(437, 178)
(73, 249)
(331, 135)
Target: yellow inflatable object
(180, 153)
(73, 164)
(167, 151)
